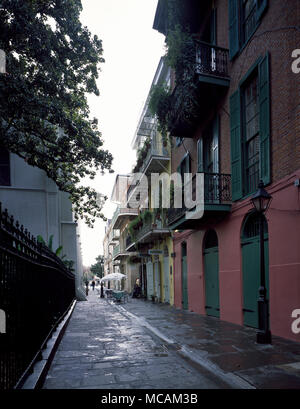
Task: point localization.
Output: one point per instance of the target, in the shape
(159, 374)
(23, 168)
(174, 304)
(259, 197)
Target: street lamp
(261, 201)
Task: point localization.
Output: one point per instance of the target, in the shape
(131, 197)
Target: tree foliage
(97, 268)
(52, 63)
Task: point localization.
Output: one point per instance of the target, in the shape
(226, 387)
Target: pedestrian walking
(93, 285)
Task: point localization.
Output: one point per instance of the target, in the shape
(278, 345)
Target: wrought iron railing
(203, 59)
(123, 211)
(217, 191)
(211, 59)
(151, 224)
(36, 290)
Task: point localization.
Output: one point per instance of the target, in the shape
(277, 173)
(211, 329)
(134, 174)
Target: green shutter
(261, 7)
(200, 155)
(236, 150)
(233, 11)
(264, 119)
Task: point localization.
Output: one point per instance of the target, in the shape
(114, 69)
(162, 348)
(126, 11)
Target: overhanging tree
(52, 63)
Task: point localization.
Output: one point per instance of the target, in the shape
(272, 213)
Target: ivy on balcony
(142, 154)
(180, 104)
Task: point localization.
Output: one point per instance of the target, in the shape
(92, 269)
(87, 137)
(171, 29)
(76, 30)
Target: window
(244, 18)
(251, 134)
(4, 167)
(250, 131)
(208, 149)
(248, 19)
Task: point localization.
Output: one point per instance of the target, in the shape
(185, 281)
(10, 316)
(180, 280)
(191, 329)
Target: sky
(132, 50)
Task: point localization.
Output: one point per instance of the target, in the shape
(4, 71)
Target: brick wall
(273, 36)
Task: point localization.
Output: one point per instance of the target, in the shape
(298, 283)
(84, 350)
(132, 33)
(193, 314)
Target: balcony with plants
(122, 215)
(149, 226)
(201, 74)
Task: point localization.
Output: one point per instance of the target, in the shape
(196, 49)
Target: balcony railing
(217, 191)
(150, 230)
(122, 211)
(211, 60)
(205, 78)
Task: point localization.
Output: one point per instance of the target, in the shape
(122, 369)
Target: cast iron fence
(36, 290)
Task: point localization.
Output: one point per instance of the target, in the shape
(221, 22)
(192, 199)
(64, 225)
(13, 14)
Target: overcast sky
(132, 50)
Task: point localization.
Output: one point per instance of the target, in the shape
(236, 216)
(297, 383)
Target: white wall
(36, 202)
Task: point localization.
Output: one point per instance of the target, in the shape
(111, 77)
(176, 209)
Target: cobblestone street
(104, 349)
(141, 345)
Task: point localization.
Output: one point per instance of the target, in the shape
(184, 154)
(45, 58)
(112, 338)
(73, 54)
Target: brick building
(245, 127)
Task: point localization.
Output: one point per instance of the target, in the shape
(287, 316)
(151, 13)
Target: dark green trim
(209, 79)
(250, 71)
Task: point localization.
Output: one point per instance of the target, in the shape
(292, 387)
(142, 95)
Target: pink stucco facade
(283, 219)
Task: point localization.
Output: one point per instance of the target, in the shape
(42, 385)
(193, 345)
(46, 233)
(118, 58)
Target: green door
(251, 278)
(211, 269)
(211, 274)
(185, 303)
(251, 268)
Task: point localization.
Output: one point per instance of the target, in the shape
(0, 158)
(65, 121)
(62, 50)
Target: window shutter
(264, 120)
(200, 155)
(233, 28)
(216, 145)
(260, 8)
(236, 151)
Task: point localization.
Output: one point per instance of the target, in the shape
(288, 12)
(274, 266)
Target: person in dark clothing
(137, 291)
(102, 290)
(93, 285)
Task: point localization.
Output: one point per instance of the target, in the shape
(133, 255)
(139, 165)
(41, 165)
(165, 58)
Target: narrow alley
(141, 345)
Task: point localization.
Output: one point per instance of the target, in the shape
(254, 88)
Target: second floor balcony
(119, 252)
(149, 230)
(156, 158)
(216, 198)
(122, 215)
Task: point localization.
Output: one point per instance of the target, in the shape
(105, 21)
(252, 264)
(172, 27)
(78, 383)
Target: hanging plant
(147, 215)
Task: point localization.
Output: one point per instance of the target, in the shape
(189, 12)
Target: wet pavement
(103, 348)
(141, 345)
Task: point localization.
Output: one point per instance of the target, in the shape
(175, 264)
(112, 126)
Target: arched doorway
(211, 273)
(251, 267)
(166, 275)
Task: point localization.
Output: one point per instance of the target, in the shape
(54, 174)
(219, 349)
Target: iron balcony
(122, 214)
(148, 233)
(217, 202)
(209, 65)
